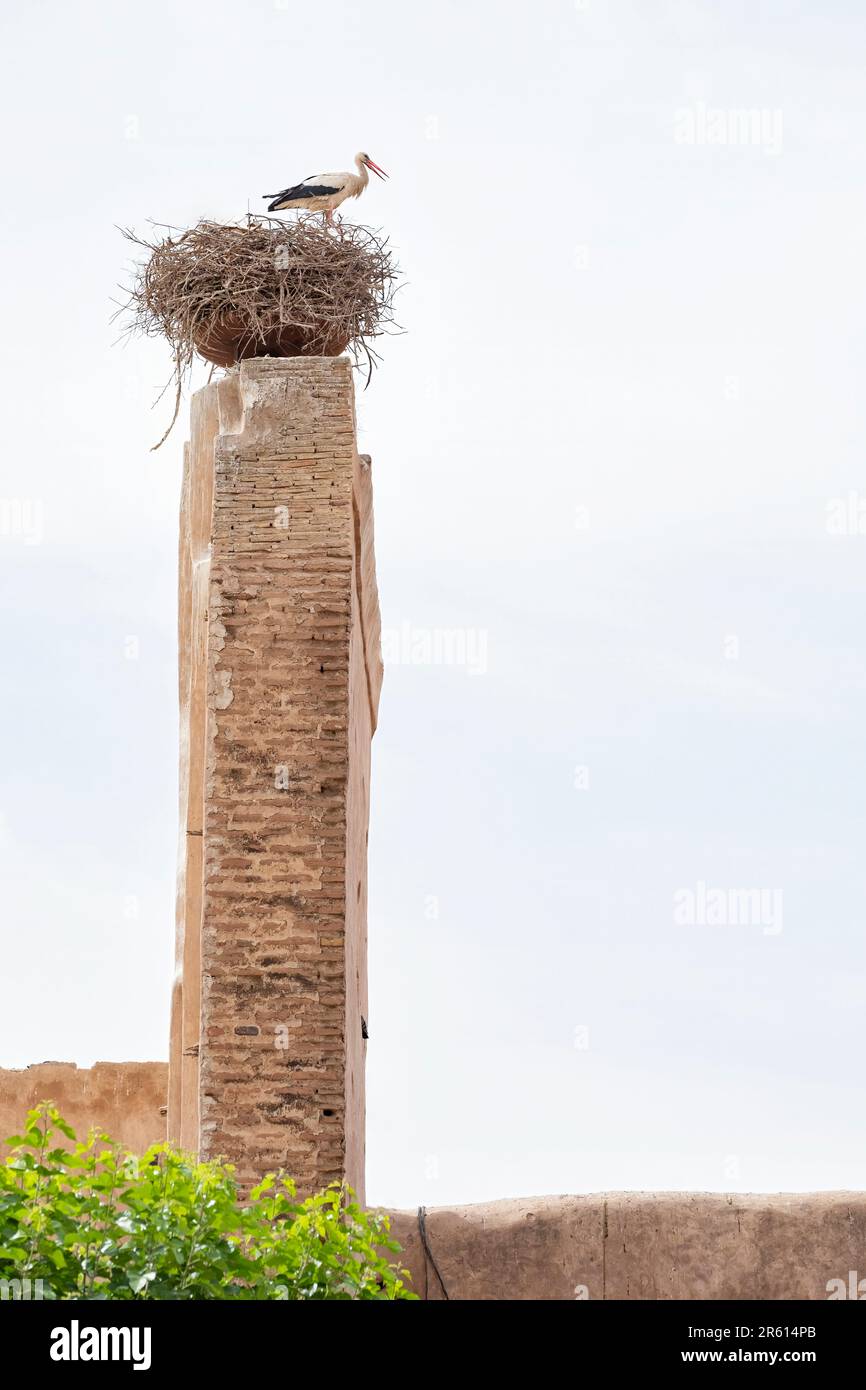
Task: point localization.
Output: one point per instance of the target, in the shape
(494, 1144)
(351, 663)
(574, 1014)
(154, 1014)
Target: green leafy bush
(92, 1221)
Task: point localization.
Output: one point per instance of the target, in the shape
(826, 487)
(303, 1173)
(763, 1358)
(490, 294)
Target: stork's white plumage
(325, 192)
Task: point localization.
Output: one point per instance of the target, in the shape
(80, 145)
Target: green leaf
(98, 1223)
(139, 1280)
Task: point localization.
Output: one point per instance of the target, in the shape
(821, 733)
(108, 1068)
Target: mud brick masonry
(602, 1245)
(125, 1099)
(279, 685)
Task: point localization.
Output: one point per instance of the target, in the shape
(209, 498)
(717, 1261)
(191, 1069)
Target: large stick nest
(262, 287)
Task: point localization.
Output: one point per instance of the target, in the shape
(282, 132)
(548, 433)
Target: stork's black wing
(300, 190)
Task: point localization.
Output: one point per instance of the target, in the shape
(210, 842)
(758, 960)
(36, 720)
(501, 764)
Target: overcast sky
(618, 455)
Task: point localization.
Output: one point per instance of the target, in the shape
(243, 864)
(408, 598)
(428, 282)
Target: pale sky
(619, 452)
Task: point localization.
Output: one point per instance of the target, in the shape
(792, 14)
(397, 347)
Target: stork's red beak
(376, 170)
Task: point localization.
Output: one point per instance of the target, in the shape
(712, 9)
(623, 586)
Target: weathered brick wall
(639, 1245)
(126, 1099)
(196, 514)
(290, 651)
(365, 675)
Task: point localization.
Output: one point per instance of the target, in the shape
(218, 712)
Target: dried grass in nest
(262, 287)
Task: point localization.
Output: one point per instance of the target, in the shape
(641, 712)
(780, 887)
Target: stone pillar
(280, 679)
(196, 513)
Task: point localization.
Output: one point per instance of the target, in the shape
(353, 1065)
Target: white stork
(325, 192)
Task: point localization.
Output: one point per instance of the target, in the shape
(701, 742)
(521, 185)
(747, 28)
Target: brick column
(281, 689)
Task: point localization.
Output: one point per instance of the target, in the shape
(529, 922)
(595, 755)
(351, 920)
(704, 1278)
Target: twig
(262, 287)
